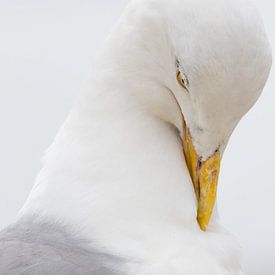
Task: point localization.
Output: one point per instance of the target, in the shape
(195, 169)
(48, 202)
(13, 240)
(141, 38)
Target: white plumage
(116, 174)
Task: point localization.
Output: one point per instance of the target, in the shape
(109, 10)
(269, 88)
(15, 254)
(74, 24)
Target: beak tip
(203, 225)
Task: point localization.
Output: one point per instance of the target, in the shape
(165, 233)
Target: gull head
(214, 58)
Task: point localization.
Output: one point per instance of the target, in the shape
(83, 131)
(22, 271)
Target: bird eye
(183, 81)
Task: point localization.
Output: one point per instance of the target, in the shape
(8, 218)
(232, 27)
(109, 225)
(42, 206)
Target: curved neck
(117, 159)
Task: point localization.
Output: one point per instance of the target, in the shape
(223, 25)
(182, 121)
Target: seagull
(129, 184)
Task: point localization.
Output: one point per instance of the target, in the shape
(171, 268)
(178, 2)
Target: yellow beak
(204, 176)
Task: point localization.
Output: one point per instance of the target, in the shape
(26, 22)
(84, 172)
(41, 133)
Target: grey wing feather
(34, 248)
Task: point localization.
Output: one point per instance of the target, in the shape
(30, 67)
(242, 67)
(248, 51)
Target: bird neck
(117, 165)
(114, 162)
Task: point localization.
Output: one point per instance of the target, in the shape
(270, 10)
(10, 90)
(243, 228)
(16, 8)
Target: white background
(47, 49)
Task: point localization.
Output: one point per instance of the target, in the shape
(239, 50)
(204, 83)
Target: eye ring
(183, 81)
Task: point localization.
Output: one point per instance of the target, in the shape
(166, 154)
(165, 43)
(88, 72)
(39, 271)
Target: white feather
(116, 171)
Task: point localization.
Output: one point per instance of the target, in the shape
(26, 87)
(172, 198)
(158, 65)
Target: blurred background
(46, 51)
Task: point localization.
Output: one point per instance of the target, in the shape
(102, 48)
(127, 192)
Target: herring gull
(129, 184)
